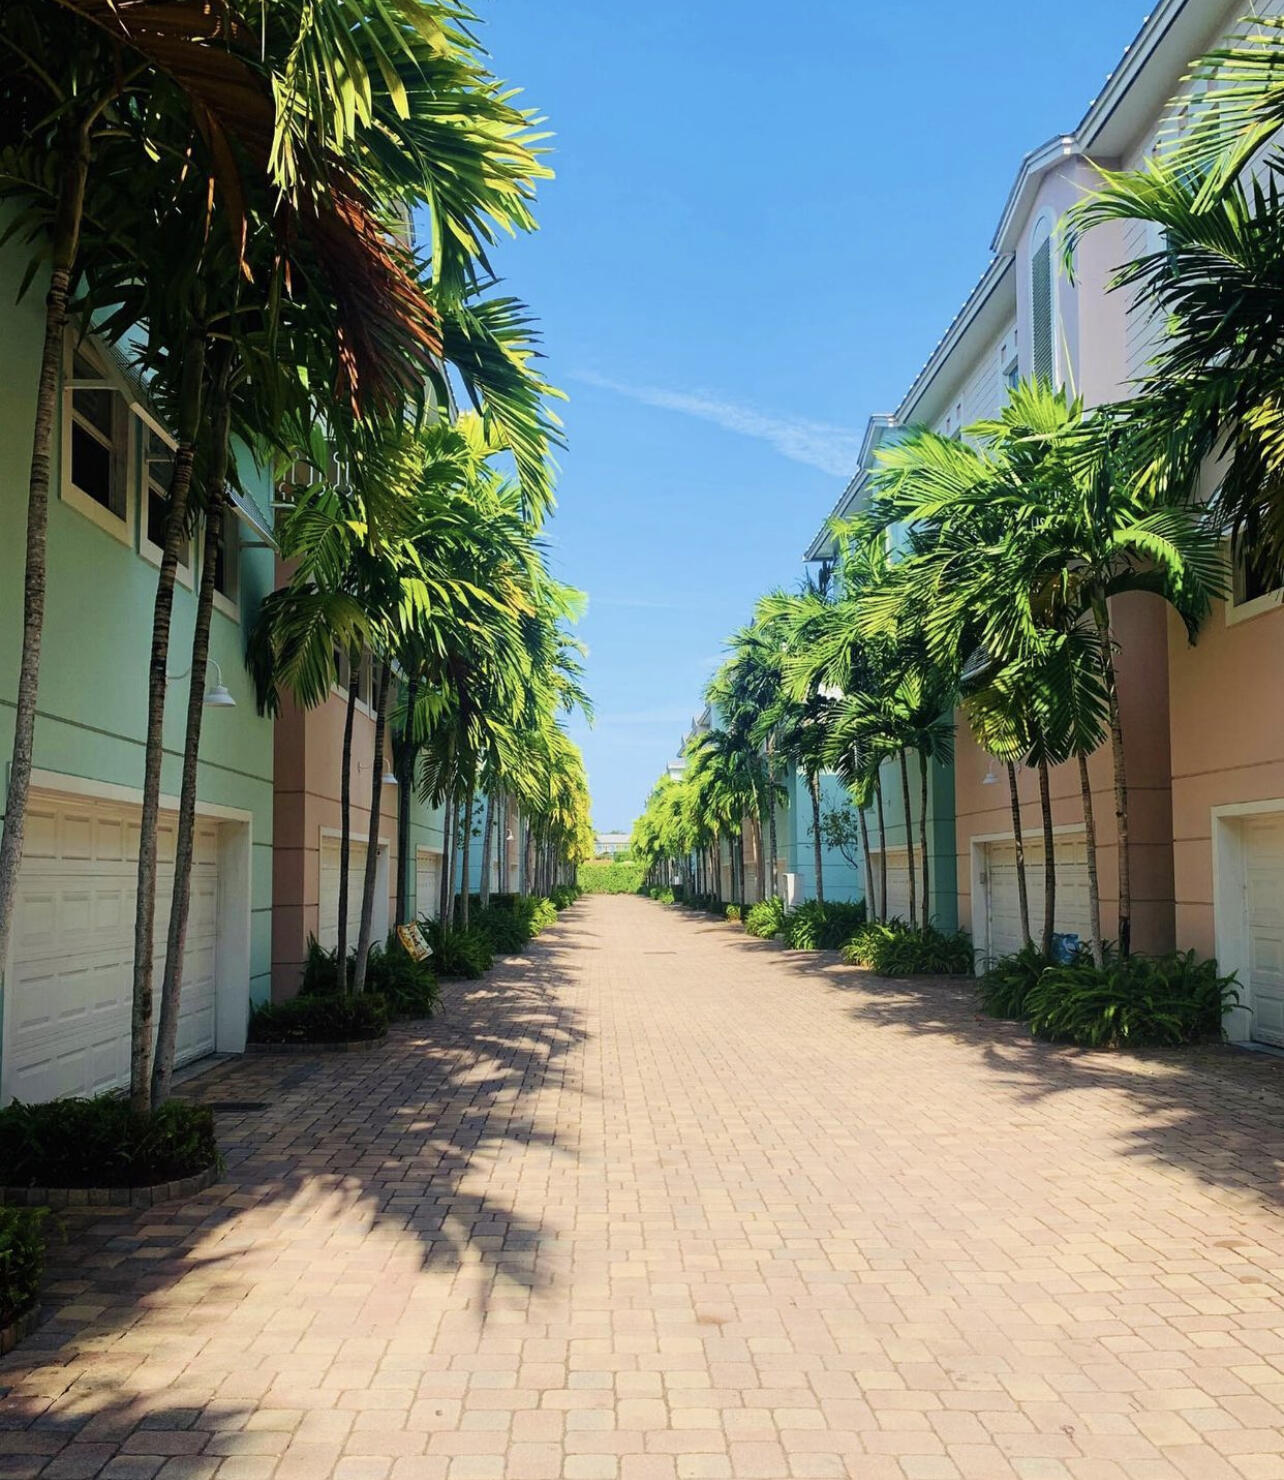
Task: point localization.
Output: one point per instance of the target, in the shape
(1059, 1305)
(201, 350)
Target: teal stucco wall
(97, 632)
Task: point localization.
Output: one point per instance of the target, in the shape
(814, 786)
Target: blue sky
(762, 221)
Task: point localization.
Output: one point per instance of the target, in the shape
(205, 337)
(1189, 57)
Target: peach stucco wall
(309, 746)
(1227, 746)
(981, 810)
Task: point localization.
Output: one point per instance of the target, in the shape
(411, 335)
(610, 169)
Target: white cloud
(832, 449)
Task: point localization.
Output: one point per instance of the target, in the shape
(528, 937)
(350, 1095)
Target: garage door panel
(68, 1007)
(1264, 900)
(897, 907)
(328, 913)
(427, 882)
(1002, 895)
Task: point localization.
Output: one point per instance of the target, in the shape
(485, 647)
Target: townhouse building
(1204, 744)
(266, 872)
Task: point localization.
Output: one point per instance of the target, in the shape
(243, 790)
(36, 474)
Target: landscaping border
(348, 1045)
(68, 1198)
(19, 1329)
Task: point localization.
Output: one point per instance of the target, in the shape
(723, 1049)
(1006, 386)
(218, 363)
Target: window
(158, 472)
(95, 445)
(1012, 374)
(227, 565)
(1043, 308)
(1256, 576)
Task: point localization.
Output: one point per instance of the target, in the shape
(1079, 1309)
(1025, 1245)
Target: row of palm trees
(982, 576)
(224, 192)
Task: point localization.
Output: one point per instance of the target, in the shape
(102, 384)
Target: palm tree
(1022, 547)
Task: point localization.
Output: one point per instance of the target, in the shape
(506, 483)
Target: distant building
(611, 844)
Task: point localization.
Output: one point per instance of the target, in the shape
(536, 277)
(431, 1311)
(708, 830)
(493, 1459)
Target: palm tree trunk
(818, 858)
(762, 859)
(922, 838)
(882, 846)
(184, 847)
(501, 840)
(345, 824)
(528, 862)
(193, 373)
(771, 816)
(405, 763)
(383, 685)
(870, 903)
(743, 896)
(447, 832)
(1023, 895)
(488, 834)
(1094, 891)
(64, 246)
(466, 849)
(1049, 859)
(909, 840)
(1121, 778)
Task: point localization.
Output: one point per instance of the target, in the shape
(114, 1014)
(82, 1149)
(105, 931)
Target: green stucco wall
(97, 633)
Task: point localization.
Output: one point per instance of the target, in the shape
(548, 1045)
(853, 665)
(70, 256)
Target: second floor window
(1256, 573)
(99, 437)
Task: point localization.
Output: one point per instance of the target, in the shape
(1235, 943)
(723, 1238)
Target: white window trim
(153, 554)
(1247, 611)
(118, 526)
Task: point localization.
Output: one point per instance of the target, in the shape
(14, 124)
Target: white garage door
(68, 1001)
(898, 898)
(328, 914)
(1264, 888)
(1002, 898)
(428, 882)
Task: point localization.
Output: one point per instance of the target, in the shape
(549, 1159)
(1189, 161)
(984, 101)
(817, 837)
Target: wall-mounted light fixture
(217, 695)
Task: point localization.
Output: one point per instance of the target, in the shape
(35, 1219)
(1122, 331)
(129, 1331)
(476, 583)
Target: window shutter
(1041, 311)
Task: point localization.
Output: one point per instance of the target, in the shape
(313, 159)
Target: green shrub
(1008, 982)
(1143, 1001)
(766, 919)
(893, 949)
(409, 987)
(510, 921)
(822, 927)
(458, 952)
(664, 894)
(314, 1018)
(543, 914)
(710, 904)
(506, 931)
(610, 878)
(733, 913)
(22, 1260)
(563, 895)
(103, 1143)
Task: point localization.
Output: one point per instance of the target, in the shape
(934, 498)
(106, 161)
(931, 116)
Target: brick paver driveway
(662, 1201)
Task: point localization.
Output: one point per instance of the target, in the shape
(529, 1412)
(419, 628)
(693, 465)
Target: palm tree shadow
(347, 1177)
(1213, 1111)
